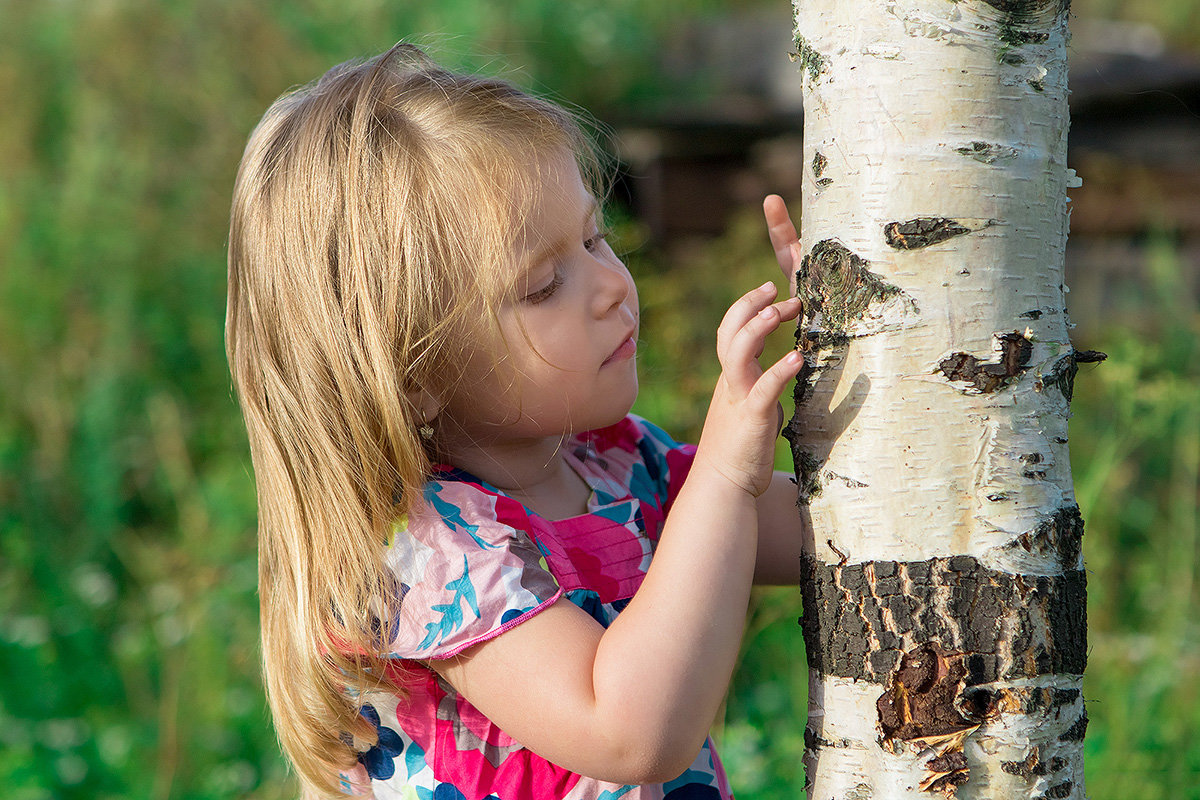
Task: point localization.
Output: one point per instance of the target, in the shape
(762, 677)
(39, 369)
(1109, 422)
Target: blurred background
(128, 615)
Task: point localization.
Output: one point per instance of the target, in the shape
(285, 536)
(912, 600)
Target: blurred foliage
(128, 629)
(1135, 446)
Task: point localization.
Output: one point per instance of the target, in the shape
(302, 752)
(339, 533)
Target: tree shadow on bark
(809, 454)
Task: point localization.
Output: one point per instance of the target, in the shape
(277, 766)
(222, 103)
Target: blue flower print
(451, 613)
(691, 785)
(693, 791)
(379, 760)
(452, 515)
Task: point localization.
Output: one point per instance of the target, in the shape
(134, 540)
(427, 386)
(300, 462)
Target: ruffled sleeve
(465, 576)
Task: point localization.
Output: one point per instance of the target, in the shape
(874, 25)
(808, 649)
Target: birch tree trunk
(943, 590)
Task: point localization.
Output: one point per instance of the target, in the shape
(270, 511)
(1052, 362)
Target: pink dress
(472, 563)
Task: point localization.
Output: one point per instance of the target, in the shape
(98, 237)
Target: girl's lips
(625, 351)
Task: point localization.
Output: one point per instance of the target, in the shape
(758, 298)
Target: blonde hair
(371, 213)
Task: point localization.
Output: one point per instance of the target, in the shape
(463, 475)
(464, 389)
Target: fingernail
(793, 358)
(766, 312)
(766, 286)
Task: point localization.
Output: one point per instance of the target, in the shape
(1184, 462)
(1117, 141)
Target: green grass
(128, 626)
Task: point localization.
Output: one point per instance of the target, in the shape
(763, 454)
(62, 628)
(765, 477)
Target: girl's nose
(613, 285)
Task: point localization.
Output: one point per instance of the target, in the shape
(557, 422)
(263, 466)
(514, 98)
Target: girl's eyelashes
(546, 291)
(592, 242)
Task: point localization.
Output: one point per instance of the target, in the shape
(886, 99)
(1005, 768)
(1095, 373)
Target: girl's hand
(738, 441)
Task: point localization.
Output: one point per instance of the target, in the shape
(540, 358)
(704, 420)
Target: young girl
(480, 576)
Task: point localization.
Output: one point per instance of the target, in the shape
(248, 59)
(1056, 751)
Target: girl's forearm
(663, 666)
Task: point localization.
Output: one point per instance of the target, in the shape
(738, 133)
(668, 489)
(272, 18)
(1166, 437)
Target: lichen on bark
(987, 152)
(809, 59)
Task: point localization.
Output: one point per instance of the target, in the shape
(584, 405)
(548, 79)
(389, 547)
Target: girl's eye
(592, 242)
(546, 291)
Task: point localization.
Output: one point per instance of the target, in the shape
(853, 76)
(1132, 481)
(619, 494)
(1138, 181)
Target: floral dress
(472, 563)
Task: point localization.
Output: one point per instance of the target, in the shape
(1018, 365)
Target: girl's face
(569, 358)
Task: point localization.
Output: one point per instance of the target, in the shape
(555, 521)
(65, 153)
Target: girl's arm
(782, 532)
(633, 703)
(782, 529)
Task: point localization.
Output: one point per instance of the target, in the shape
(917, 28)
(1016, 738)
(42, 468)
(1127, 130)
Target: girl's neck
(532, 471)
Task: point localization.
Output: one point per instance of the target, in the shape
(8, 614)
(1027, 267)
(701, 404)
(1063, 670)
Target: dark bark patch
(946, 784)
(1004, 625)
(1026, 22)
(987, 152)
(1016, 37)
(984, 377)
(1059, 791)
(1027, 10)
(1076, 732)
(921, 706)
(1035, 313)
(922, 232)
(977, 703)
(819, 163)
(813, 741)
(920, 701)
(1028, 769)
(808, 468)
(1035, 700)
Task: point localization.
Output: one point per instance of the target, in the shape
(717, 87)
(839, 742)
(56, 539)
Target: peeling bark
(1014, 350)
(1062, 373)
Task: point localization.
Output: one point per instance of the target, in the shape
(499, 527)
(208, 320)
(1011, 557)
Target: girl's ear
(427, 404)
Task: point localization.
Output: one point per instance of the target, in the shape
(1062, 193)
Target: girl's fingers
(764, 395)
(742, 311)
(739, 361)
(783, 235)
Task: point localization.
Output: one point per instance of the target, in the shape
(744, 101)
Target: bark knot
(838, 291)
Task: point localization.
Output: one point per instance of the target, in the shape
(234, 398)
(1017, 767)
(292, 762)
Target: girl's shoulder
(466, 569)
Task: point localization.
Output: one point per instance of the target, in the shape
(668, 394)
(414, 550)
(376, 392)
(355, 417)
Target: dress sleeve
(464, 576)
(667, 462)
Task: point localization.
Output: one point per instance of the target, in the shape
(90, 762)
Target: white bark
(953, 113)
